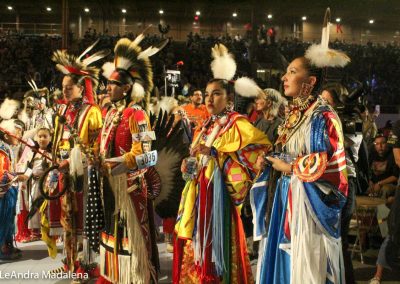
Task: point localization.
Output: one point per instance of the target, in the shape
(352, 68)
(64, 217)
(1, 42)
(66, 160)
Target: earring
(124, 94)
(306, 90)
(230, 106)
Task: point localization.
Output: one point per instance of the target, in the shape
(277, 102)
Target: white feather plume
(138, 91)
(320, 57)
(108, 69)
(223, 66)
(246, 87)
(168, 104)
(9, 108)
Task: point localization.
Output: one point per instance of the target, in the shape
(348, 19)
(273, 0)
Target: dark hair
(226, 85)
(194, 89)
(313, 71)
(337, 91)
(380, 135)
(76, 79)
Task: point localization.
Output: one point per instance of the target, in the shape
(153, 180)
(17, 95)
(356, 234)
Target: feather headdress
(223, 67)
(71, 64)
(320, 55)
(132, 65)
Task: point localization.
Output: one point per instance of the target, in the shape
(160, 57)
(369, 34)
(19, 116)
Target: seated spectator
(390, 248)
(384, 171)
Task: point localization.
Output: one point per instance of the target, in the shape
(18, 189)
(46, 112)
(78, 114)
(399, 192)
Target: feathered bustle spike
(35, 87)
(138, 39)
(87, 50)
(30, 84)
(153, 50)
(96, 56)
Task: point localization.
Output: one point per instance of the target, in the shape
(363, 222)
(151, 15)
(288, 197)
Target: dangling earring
(306, 90)
(230, 106)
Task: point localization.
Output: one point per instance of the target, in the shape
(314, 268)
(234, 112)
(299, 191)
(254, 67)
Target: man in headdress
(128, 253)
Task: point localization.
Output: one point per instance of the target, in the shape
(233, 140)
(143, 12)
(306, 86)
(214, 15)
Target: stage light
(338, 20)
(198, 13)
(87, 10)
(304, 18)
(371, 21)
(161, 12)
(123, 11)
(269, 16)
(9, 8)
(48, 9)
(234, 15)
(196, 18)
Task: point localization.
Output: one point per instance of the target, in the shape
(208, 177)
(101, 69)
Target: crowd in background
(375, 65)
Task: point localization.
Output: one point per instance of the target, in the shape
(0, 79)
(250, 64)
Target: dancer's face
(43, 139)
(116, 91)
(216, 98)
(296, 75)
(71, 90)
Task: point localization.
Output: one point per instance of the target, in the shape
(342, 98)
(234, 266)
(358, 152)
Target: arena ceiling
(384, 12)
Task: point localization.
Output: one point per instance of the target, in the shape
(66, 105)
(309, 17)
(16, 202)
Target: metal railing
(31, 28)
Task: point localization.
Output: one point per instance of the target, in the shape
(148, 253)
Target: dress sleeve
(91, 128)
(327, 162)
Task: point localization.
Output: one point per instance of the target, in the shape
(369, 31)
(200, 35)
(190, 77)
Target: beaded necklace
(299, 111)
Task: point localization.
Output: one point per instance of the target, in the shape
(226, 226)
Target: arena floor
(35, 260)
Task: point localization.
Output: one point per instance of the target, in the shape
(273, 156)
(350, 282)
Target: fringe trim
(141, 269)
(124, 265)
(56, 232)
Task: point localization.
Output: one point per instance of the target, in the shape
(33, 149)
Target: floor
(36, 260)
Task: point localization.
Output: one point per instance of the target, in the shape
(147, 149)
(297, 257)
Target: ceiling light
(161, 12)
(123, 11)
(48, 9)
(9, 8)
(198, 13)
(338, 20)
(371, 21)
(269, 16)
(87, 10)
(234, 15)
(304, 18)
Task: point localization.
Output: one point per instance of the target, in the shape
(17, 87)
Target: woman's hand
(22, 178)
(280, 165)
(183, 166)
(261, 162)
(200, 149)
